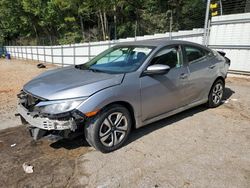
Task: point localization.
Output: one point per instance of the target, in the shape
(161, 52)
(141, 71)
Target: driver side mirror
(156, 69)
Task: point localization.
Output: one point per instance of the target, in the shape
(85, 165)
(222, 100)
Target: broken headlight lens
(57, 107)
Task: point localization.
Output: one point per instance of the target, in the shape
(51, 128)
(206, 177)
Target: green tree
(71, 21)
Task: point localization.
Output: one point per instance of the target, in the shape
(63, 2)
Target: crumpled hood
(69, 82)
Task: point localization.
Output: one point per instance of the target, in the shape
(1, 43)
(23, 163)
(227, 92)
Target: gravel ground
(197, 148)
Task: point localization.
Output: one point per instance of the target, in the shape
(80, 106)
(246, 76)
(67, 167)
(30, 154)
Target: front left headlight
(57, 107)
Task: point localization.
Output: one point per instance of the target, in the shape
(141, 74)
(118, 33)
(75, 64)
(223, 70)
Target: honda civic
(127, 86)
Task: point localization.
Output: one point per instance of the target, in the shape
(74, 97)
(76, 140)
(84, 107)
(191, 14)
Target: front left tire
(109, 129)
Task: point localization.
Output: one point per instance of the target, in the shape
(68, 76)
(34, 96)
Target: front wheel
(216, 94)
(109, 129)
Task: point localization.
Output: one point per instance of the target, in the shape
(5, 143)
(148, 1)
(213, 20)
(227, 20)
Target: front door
(164, 93)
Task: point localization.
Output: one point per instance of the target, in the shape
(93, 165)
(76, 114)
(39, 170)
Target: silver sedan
(127, 86)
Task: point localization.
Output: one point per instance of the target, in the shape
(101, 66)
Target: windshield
(118, 59)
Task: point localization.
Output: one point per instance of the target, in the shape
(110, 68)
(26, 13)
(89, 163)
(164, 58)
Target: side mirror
(156, 69)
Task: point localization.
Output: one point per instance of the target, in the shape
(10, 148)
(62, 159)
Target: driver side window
(168, 56)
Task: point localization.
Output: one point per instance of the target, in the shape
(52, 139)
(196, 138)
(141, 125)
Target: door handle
(211, 67)
(183, 76)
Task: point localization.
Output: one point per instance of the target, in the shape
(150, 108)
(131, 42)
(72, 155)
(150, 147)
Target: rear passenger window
(194, 53)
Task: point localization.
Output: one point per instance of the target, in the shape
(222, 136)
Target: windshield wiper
(82, 67)
(95, 70)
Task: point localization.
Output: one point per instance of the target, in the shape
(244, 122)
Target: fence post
(22, 51)
(206, 22)
(109, 43)
(31, 49)
(74, 54)
(26, 53)
(52, 56)
(14, 51)
(18, 52)
(37, 54)
(62, 55)
(89, 51)
(44, 58)
(208, 33)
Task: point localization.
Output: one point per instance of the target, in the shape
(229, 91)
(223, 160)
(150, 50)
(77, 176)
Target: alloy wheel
(217, 93)
(113, 129)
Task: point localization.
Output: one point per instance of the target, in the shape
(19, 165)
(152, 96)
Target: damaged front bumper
(40, 124)
(43, 126)
(46, 123)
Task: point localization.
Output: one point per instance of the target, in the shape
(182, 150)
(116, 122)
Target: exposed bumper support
(37, 133)
(46, 123)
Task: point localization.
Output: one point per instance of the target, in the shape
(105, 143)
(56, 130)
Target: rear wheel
(109, 129)
(216, 94)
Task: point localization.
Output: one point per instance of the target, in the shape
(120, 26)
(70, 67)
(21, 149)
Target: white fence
(231, 34)
(81, 53)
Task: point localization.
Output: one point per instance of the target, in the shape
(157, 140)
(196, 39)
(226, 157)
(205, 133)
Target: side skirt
(165, 115)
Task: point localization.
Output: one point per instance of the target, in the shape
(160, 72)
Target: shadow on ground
(138, 133)
(228, 93)
(70, 144)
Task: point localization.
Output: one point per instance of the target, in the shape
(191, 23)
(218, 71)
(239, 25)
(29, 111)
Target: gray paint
(152, 97)
(66, 83)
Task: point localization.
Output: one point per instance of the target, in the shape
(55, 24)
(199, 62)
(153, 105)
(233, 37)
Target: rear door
(201, 72)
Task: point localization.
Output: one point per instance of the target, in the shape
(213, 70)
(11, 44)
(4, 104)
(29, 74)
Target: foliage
(70, 21)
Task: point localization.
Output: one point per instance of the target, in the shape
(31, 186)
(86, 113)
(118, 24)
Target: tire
(109, 129)
(216, 94)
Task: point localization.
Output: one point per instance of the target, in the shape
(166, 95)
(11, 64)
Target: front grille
(28, 100)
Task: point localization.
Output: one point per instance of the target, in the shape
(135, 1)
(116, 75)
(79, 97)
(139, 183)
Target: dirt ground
(13, 75)
(197, 148)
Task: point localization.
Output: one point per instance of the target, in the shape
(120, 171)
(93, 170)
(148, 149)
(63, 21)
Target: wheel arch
(128, 106)
(219, 78)
(209, 100)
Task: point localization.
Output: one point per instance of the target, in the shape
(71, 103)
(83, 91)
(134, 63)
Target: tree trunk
(115, 23)
(49, 35)
(37, 37)
(50, 40)
(105, 24)
(102, 24)
(82, 27)
(34, 27)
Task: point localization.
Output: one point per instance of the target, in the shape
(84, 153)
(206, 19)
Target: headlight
(56, 107)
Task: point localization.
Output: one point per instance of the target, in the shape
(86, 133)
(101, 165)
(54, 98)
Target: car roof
(157, 43)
